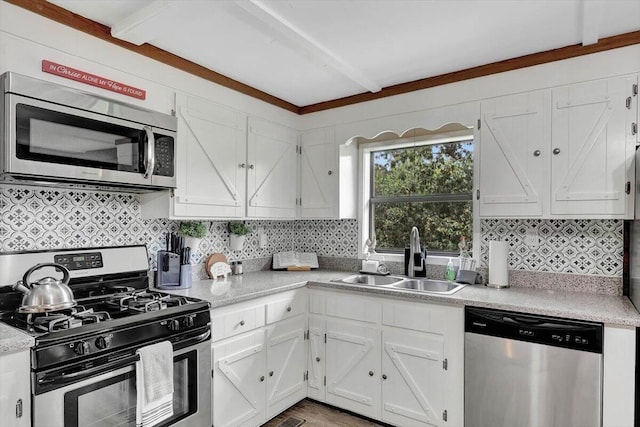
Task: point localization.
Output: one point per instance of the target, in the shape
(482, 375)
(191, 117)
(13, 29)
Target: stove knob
(174, 325)
(188, 322)
(103, 342)
(81, 348)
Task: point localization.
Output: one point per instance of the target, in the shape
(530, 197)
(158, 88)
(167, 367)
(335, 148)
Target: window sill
(431, 259)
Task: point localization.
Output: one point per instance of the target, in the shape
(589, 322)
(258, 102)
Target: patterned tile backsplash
(565, 246)
(36, 218)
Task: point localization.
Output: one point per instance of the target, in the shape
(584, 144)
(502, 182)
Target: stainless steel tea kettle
(48, 293)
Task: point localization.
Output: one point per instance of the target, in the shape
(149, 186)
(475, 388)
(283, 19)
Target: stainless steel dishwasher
(527, 370)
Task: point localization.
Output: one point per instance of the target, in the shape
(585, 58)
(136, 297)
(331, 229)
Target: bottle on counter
(238, 268)
(449, 271)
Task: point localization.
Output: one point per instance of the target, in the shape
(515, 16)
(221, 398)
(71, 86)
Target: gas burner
(63, 319)
(145, 301)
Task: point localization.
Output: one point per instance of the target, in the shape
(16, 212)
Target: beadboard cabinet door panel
(515, 135)
(592, 148)
(272, 170)
(319, 180)
(316, 358)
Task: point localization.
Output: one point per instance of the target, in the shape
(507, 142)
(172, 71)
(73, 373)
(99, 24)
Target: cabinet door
(353, 367)
(413, 378)
(15, 390)
(514, 140)
(211, 160)
(285, 365)
(272, 173)
(316, 359)
(239, 380)
(318, 174)
(592, 148)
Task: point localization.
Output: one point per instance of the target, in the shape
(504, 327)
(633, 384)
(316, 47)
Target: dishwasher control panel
(554, 331)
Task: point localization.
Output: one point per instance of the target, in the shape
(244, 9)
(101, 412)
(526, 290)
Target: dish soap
(449, 271)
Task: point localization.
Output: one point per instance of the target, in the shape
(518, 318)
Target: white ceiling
(309, 51)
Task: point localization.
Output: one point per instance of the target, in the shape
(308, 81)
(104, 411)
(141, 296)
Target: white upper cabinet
(561, 153)
(592, 148)
(515, 134)
(319, 190)
(272, 170)
(211, 152)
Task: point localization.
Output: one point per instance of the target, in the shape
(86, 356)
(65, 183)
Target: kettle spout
(19, 286)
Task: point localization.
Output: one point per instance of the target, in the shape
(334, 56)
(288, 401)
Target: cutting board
(212, 259)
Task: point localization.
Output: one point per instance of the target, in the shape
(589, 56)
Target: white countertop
(608, 309)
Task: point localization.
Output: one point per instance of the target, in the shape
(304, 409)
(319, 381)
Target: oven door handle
(179, 345)
(65, 378)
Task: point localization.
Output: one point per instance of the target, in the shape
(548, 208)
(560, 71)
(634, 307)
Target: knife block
(168, 273)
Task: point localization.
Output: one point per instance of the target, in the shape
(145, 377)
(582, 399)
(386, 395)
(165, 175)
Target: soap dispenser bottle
(449, 271)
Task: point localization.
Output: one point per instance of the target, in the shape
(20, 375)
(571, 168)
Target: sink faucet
(414, 249)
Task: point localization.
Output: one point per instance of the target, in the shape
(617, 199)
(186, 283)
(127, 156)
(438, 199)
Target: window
(424, 184)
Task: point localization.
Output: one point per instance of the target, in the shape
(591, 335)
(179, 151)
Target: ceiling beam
(591, 13)
(307, 43)
(144, 24)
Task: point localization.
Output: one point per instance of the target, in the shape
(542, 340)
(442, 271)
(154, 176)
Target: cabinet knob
(288, 309)
(242, 165)
(370, 373)
(537, 153)
(242, 323)
(251, 166)
(270, 373)
(330, 172)
(317, 359)
(384, 376)
(556, 151)
(262, 378)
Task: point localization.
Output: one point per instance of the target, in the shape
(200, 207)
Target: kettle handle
(59, 267)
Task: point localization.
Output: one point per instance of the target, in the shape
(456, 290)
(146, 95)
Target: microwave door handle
(150, 158)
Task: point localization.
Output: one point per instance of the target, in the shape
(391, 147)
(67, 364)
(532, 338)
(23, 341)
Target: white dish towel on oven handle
(154, 384)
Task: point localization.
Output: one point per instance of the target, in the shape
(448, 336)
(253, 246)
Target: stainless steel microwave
(53, 133)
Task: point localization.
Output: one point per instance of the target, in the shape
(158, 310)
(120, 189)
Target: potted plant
(237, 232)
(193, 232)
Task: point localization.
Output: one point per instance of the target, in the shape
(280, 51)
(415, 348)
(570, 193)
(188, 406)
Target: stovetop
(127, 302)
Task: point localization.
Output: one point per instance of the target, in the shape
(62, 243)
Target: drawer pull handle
(242, 323)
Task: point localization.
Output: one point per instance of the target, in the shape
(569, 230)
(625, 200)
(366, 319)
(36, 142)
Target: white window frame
(364, 190)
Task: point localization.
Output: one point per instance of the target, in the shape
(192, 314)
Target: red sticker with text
(92, 79)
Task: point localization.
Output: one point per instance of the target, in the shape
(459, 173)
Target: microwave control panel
(164, 156)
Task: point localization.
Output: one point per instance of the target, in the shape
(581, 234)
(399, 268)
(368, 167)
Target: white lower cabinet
(396, 361)
(258, 359)
(15, 389)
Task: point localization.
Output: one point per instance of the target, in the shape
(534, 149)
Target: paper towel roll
(498, 264)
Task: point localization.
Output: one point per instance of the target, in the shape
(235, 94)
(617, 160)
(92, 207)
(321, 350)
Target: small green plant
(239, 228)
(192, 229)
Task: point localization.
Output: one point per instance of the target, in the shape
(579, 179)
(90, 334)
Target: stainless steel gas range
(84, 359)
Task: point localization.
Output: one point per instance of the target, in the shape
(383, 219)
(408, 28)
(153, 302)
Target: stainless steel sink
(428, 285)
(370, 280)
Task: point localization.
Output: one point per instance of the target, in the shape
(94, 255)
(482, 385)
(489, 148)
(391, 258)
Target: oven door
(109, 399)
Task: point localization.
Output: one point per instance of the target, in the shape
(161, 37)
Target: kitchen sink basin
(428, 285)
(370, 280)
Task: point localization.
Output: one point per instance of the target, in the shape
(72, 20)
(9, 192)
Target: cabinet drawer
(288, 307)
(354, 307)
(230, 323)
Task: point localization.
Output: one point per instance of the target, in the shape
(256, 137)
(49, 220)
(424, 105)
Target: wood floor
(319, 415)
